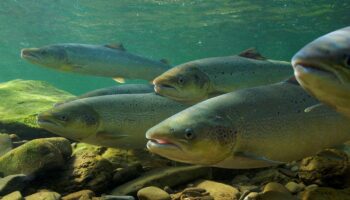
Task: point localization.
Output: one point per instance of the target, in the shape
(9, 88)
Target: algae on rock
(36, 156)
(21, 101)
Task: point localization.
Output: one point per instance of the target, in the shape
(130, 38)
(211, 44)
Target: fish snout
(29, 53)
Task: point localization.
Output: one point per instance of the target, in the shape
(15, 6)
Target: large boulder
(85, 170)
(21, 101)
(324, 193)
(329, 167)
(36, 156)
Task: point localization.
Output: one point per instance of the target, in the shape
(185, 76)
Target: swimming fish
(249, 128)
(112, 120)
(119, 89)
(322, 68)
(198, 80)
(108, 61)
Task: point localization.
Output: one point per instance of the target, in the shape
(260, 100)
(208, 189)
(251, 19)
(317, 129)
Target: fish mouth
(159, 88)
(302, 68)
(29, 55)
(311, 67)
(46, 123)
(161, 143)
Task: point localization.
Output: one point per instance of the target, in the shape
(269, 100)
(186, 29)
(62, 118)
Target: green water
(178, 30)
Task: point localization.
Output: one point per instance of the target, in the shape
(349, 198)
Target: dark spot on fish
(89, 120)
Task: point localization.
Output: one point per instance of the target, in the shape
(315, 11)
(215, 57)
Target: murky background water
(178, 30)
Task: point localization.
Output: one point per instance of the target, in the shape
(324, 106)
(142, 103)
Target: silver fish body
(112, 120)
(201, 79)
(98, 60)
(249, 128)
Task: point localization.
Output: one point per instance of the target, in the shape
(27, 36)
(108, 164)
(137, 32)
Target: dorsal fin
(118, 46)
(165, 61)
(252, 53)
(292, 80)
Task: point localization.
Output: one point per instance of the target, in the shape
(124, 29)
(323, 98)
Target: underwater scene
(175, 100)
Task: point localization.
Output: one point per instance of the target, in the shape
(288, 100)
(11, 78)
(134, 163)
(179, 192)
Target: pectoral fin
(313, 107)
(258, 158)
(119, 79)
(109, 135)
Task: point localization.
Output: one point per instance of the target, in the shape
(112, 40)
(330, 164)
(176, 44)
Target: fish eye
(189, 134)
(43, 52)
(181, 80)
(63, 118)
(347, 60)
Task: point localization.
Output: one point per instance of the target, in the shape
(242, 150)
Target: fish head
(184, 83)
(74, 120)
(325, 62)
(54, 56)
(192, 136)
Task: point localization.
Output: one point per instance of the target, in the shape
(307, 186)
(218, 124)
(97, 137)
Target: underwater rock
(323, 193)
(12, 183)
(36, 156)
(13, 196)
(123, 158)
(84, 170)
(271, 195)
(152, 193)
(192, 193)
(80, 195)
(167, 176)
(21, 101)
(294, 187)
(122, 175)
(274, 186)
(219, 191)
(269, 175)
(272, 191)
(113, 197)
(44, 195)
(5, 143)
(327, 168)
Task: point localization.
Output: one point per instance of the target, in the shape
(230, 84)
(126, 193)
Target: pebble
(294, 187)
(80, 195)
(152, 193)
(13, 196)
(274, 186)
(114, 197)
(44, 195)
(219, 191)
